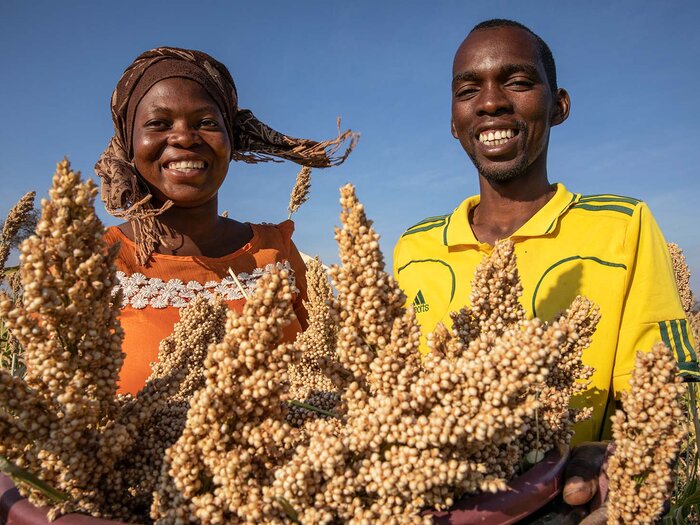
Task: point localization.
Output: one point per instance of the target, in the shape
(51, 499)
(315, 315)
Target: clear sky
(631, 67)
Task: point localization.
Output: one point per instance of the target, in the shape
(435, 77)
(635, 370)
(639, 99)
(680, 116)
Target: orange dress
(153, 295)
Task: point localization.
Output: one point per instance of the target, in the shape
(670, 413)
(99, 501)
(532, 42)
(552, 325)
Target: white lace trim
(138, 291)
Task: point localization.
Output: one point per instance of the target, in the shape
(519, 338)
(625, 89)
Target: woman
(177, 127)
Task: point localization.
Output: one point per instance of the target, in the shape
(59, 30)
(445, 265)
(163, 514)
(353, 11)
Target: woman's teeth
(185, 165)
(496, 137)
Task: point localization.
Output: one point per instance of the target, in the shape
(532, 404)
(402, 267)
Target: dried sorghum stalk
(18, 218)
(300, 191)
(368, 298)
(648, 433)
(156, 415)
(682, 275)
(69, 330)
(568, 377)
(236, 431)
(311, 380)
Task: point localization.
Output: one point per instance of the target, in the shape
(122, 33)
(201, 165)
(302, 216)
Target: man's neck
(505, 207)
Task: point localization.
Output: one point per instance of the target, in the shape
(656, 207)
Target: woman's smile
(181, 147)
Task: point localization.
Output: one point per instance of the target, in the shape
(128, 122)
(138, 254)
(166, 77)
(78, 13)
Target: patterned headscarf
(124, 192)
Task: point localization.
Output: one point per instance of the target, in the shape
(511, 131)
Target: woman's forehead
(176, 93)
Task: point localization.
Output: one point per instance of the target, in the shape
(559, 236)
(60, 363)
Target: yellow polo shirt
(605, 247)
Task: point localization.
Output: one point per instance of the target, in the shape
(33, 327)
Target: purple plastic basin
(16, 510)
(525, 495)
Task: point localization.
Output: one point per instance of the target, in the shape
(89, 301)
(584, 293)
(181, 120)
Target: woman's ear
(562, 105)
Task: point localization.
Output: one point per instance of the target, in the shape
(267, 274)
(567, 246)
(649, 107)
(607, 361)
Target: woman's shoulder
(269, 234)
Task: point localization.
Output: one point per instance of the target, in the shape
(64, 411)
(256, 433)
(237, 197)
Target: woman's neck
(197, 231)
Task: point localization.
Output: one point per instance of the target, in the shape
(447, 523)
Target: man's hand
(585, 482)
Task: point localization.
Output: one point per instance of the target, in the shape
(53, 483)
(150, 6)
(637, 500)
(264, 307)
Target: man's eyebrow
(506, 70)
(465, 76)
(510, 69)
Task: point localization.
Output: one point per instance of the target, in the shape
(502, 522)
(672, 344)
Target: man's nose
(493, 100)
(183, 135)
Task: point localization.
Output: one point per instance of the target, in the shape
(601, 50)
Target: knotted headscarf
(125, 193)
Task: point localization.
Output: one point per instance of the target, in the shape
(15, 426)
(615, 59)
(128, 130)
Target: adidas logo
(419, 304)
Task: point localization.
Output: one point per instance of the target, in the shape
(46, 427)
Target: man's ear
(452, 128)
(562, 105)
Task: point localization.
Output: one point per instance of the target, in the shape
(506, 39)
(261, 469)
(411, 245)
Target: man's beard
(502, 175)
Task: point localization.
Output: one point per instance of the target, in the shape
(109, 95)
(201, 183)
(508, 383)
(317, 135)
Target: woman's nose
(183, 135)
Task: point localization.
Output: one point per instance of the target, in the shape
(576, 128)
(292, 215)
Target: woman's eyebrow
(207, 108)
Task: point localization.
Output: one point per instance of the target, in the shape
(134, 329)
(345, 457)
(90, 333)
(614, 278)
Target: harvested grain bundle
(215, 437)
(648, 435)
(682, 274)
(56, 421)
(93, 451)
(236, 433)
(407, 435)
(314, 380)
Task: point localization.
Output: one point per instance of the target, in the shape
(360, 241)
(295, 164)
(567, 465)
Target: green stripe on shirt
(604, 207)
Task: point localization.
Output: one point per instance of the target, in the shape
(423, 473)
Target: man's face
(502, 105)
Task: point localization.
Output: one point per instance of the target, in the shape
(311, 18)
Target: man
(608, 248)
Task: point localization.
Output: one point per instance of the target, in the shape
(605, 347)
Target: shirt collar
(459, 232)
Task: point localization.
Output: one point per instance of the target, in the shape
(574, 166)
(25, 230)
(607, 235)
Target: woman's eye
(156, 124)
(209, 123)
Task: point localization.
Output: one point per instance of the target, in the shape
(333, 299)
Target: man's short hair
(545, 53)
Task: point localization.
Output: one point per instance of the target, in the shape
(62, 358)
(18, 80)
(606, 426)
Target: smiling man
(505, 101)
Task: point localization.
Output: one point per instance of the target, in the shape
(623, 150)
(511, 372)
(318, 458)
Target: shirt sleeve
(652, 310)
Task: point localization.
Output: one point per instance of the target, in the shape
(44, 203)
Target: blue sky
(631, 68)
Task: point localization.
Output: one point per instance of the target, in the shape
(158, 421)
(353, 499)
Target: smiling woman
(177, 127)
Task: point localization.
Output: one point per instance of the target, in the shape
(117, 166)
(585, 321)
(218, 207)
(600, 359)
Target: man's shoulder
(425, 238)
(607, 205)
(429, 226)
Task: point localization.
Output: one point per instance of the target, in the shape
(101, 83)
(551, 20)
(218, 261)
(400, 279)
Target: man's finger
(581, 475)
(597, 517)
(578, 491)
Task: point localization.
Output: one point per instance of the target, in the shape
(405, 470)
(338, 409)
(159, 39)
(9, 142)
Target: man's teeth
(186, 165)
(496, 137)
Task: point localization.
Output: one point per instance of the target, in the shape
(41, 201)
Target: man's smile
(496, 137)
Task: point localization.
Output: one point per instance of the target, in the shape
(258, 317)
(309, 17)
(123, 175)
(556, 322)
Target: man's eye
(466, 91)
(521, 84)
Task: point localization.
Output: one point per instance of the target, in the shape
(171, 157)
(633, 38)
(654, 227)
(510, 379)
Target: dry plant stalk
(236, 431)
(300, 191)
(688, 301)
(16, 224)
(56, 421)
(99, 453)
(648, 434)
(18, 217)
(314, 380)
(682, 275)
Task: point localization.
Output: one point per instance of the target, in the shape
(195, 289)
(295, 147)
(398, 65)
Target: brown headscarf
(124, 192)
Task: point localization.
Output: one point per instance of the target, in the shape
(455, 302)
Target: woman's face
(181, 147)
